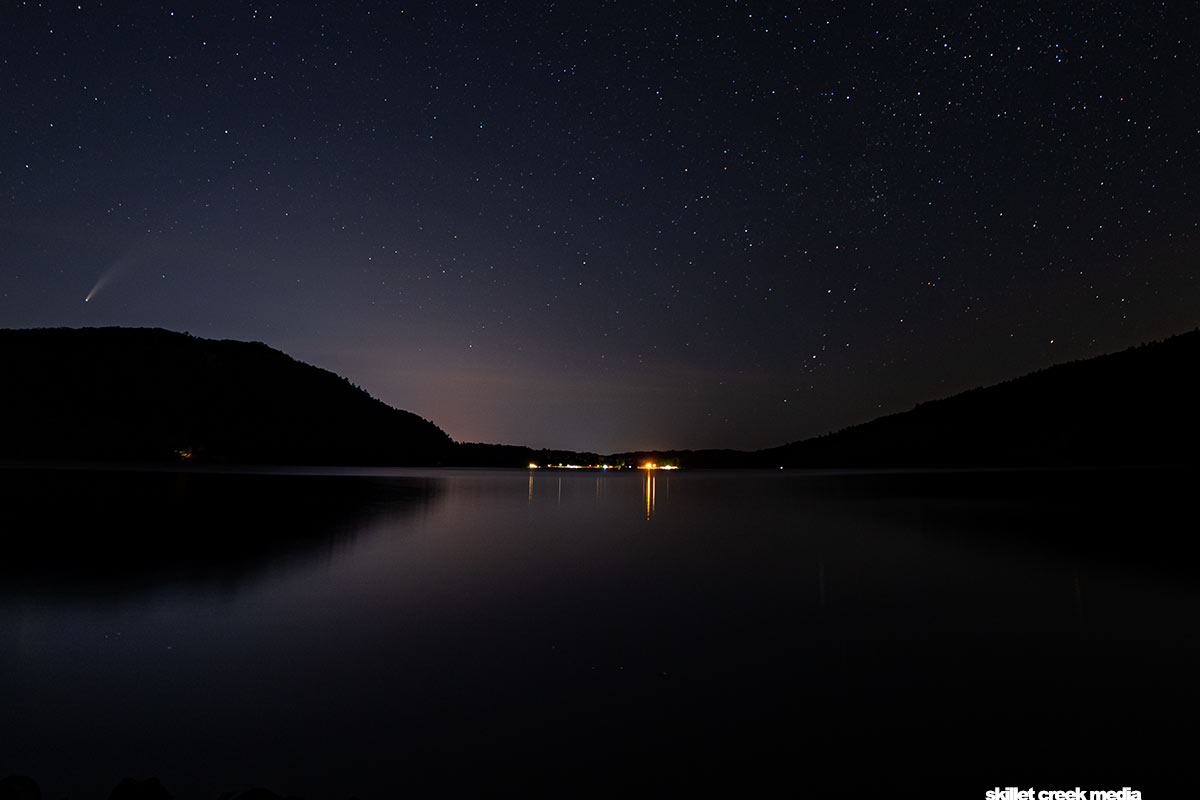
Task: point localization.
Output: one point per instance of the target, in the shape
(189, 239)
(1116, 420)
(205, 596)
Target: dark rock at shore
(19, 787)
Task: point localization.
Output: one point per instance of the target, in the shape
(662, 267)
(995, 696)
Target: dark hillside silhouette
(127, 394)
(1135, 407)
(120, 394)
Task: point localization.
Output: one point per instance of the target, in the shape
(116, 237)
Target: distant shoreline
(120, 396)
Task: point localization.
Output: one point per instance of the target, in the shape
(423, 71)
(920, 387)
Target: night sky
(611, 225)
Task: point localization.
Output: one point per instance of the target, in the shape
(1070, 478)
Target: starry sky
(611, 225)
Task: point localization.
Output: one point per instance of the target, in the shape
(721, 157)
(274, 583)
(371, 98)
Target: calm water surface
(441, 633)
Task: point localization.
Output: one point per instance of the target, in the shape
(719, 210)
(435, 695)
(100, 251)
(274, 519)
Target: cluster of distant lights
(647, 465)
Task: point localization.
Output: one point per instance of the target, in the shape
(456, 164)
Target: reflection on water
(649, 491)
(476, 631)
(100, 532)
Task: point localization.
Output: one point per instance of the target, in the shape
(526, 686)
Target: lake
(382, 633)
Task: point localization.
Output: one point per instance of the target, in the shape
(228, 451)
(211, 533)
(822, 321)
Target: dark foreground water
(447, 633)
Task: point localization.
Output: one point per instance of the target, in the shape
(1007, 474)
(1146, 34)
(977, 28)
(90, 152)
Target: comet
(105, 278)
(119, 266)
